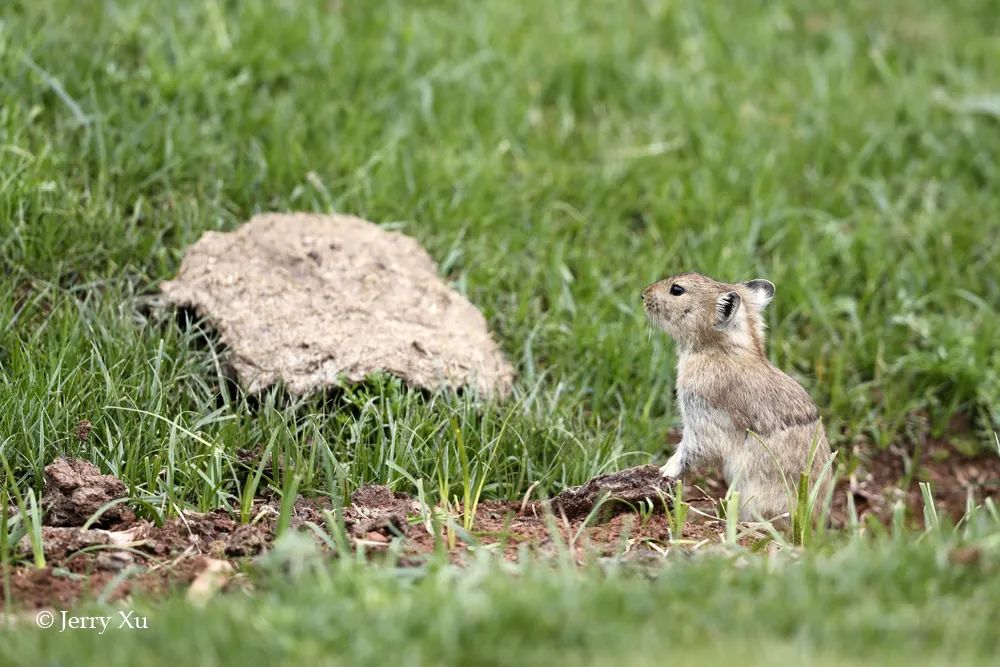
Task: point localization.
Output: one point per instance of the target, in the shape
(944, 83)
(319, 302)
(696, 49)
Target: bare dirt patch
(313, 301)
(116, 558)
(955, 478)
(58, 587)
(137, 555)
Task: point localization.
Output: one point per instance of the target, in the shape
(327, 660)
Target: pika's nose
(644, 294)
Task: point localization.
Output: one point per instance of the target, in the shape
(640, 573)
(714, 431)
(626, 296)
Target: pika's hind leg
(767, 501)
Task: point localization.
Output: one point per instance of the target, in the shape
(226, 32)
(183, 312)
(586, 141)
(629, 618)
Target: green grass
(554, 157)
(872, 601)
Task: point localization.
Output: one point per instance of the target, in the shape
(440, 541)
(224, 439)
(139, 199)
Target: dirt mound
(75, 490)
(61, 542)
(381, 498)
(311, 300)
(377, 510)
(621, 491)
(214, 534)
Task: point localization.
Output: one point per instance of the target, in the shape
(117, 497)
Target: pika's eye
(676, 290)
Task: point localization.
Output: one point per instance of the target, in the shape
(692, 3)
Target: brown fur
(739, 410)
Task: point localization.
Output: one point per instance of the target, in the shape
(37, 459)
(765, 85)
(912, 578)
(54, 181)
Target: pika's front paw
(673, 467)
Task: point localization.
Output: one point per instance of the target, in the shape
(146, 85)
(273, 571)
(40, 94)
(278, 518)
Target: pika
(737, 408)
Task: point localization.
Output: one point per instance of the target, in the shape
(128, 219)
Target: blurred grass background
(554, 157)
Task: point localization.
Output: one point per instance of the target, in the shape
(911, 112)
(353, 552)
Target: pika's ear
(762, 292)
(725, 309)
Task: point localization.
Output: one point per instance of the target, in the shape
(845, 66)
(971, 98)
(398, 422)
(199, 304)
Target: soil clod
(620, 491)
(75, 490)
(380, 510)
